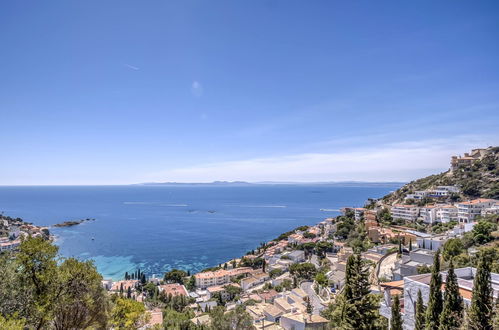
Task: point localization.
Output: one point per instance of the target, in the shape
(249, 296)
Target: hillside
(478, 179)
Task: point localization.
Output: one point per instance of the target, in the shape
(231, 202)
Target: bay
(191, 227)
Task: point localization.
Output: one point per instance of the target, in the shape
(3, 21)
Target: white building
(468, 211)
(358, 213)
(428, 214)
(446, 213)
(432, 243)
(418, 194)
(405, 212)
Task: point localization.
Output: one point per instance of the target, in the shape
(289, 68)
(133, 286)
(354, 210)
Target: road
(314, 300)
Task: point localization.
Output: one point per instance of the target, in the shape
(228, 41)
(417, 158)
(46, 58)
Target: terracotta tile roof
(174, 289)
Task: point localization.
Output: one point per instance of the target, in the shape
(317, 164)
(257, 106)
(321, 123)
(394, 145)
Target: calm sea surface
(190, 227)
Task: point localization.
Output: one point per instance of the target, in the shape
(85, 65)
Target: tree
(435, 301)
(355, 307)
(236, 319)
(396, 320)
(11, 323)
(275, 273)
(177, 320)
(191, 283)
(49, 292)
(452, 248)
(304, 270)
(452, 314)
(128, 314)
(309, 307)
(482, 231)
(321, 279)
(481, 309)
(38, 269)
(420, 313)
(175, 276)
(81, 302)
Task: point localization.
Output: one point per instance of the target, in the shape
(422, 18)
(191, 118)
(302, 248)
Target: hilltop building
(467, 159)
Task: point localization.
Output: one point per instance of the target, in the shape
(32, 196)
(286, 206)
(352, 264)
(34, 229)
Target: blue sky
(111, 92)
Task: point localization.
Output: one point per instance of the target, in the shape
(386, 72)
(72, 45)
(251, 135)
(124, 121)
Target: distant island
(71, 223)
(244, 183)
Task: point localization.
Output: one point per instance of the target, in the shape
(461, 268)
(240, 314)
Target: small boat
(93, 238)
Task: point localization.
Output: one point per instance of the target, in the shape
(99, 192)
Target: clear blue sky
(109, 92)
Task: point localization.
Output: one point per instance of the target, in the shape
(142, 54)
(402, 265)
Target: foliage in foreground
(40, 290)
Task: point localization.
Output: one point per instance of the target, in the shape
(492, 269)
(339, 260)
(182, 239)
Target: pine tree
(452, 315)
(481, 309)
(420, 313)
(396, 320)
(435, 302)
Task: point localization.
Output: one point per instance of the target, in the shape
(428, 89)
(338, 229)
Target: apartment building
(447, 213)
(428, 214)
(468, 211)
(405, 212)
(219, 277)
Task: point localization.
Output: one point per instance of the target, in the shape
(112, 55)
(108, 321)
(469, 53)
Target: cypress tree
(129, 293)
(410, 244)
(435, 302)
(309, 306)
(396, 321)
(452, 315)
(126, 275)
(481, 310)
(420, 313)
(356, 307)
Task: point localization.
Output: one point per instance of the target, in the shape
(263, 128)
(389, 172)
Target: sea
(156, 228)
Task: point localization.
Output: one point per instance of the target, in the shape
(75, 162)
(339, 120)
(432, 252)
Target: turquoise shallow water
(190, 227)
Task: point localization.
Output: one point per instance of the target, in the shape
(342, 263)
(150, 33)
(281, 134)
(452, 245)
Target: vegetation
(452, 314)
(126, 314)
(435, 303)
(304, 270)
(175, 276)
(396, 320)
(420, 313)
(476, 180)
(45, 291)
(356, 307)
(237, 319)
(481, 310)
